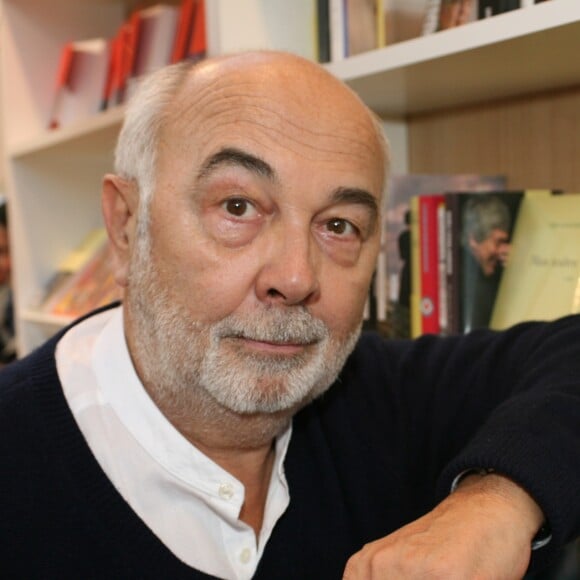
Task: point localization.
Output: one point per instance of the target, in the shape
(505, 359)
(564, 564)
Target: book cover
(479, 228)
(396, 239)
(125, 47)
(81, 81)
(429, 312)
(74, 261)
(91, 286)
(183, 31)
(157, 32)
(198, 40)
(542, 276)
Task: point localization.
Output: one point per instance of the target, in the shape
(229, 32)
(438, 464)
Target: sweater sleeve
(514, 397)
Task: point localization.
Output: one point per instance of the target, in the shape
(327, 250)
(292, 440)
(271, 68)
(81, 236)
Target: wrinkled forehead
(309, 112)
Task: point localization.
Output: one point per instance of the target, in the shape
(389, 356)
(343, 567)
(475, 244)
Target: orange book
(62, 80)
(198, 45)
(184, 28)
(127, 53)
(111, 72)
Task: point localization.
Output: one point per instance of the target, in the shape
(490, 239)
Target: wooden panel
(534, 141)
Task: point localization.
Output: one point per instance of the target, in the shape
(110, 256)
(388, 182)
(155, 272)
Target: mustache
(273, 325)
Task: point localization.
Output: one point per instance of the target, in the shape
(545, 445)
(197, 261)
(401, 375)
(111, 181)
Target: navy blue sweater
(378, 450)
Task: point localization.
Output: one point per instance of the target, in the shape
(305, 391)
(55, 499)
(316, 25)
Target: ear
(120, 201)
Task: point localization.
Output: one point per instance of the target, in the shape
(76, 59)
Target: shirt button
(245, 555)
(226, 491)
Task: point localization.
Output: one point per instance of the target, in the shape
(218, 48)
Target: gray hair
(482, 214)
(137, 145)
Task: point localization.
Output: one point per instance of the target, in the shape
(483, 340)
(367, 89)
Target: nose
(289, 272)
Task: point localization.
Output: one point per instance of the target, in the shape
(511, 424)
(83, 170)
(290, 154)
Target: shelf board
(38, 317)
(82, 133)
(520, 52)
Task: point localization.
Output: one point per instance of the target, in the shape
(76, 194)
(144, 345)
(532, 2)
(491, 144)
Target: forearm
(482, 530)
(505, 499)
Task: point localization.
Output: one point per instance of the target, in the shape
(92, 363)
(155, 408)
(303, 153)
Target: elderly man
(192, 433)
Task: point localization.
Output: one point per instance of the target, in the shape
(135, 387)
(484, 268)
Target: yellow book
(80, 256)
(415, 299)
(542, 277)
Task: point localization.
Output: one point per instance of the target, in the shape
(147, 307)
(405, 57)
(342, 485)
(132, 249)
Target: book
(542, 276)
(361, 26)
(337, 24)
(397, 243)
(84, 281)
(404, 19)
(198, 40)
(429, 263)
(183, 30)
(489, 8)
(454, 13)
(72, 263)
(431, 19)
(81, 82)
(478, 230)
(414, 259)
(156, 38)
(323, 31)
(125, 45)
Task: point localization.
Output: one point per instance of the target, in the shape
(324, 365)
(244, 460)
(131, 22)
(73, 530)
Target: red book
(115, 78)
(198, 45)
(62, 80)
(108, 95)
(184, 29)
(130, 32)
(429, 262)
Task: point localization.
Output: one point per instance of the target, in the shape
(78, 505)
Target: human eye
(239, 207)
(342, 228)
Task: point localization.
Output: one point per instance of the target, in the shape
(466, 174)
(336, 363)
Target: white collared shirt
(189, 502)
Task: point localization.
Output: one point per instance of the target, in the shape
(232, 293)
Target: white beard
(186, 360)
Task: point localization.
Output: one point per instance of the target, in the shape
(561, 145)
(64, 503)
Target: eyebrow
(231, 156)
(355, 195)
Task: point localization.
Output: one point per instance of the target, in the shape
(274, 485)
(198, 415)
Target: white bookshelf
(520, 52)
(53, 177)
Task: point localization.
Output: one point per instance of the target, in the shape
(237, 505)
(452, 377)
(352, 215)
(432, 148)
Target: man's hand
(483, 530)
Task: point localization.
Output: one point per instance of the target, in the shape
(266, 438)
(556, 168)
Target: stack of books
(463, 252)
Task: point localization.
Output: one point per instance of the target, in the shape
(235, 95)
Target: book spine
(183, 33)
(441, 268)
(431, 21)
(323, 39)
(62, 80)
(415, 309)
(198, 43)
(429, 262)
(452, 262)
(337, 29)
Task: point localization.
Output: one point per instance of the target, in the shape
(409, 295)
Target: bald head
(287, 96)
